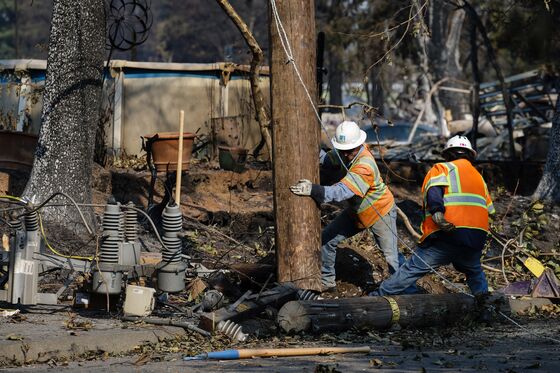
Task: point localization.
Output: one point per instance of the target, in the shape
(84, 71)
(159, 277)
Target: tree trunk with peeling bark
(335, 76)
(549, 186)
(71, 102)
(446, 24)
(296, 145)
(258, 98)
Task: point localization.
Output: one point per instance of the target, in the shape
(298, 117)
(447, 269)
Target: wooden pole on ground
(378, 312)
(180, 158)
(295, 145)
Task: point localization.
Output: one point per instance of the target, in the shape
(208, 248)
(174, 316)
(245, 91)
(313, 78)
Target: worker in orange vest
(456, 206)
(372, 205)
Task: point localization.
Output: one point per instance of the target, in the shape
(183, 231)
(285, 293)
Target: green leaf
(538, 206)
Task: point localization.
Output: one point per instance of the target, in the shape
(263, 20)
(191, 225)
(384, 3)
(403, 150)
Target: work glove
(440, 221)
(302, 188)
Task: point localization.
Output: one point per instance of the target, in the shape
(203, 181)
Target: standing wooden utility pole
(295, 145)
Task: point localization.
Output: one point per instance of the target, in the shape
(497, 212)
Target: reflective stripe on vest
(437, 181)
(453, 178)
(464, 199)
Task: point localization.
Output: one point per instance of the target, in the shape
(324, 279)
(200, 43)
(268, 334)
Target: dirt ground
(228, 218)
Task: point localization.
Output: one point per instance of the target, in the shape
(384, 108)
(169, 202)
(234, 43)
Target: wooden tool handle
(267, 352)
(180, 158)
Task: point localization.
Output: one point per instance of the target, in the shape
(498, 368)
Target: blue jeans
(343, 227)
(438, 253)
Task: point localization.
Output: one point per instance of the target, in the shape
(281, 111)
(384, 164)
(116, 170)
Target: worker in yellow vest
(456, 206)
(372, 205)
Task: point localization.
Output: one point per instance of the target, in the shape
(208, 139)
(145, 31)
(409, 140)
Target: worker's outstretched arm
(337, 192)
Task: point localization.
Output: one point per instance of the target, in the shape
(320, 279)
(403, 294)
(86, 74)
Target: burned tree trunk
(71, 101)
(335, 77)
(446, 26)
(475, 97)
(295, 143)
(439, 60)
(491, 54)
(549, 186)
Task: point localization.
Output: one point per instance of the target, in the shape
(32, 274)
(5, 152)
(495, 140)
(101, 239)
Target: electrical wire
(13, 198)
(38, 207)
(88, 258)
(152, 224)
(284, 41)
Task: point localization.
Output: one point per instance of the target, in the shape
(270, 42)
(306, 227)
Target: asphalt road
(496, 348)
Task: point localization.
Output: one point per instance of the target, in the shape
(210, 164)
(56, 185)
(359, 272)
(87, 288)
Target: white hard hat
(459, 142)
(348, 136)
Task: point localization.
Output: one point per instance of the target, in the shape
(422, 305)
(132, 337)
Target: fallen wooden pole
(374, 312)
(269, 352)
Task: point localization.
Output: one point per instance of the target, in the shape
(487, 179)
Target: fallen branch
(407, 224)
(492, 269)
(495, 258)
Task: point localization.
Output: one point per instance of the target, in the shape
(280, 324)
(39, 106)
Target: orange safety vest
(372, 197)
(465, 196)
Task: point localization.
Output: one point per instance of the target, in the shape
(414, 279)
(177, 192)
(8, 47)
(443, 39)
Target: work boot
(329, 289)
(485, 311)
